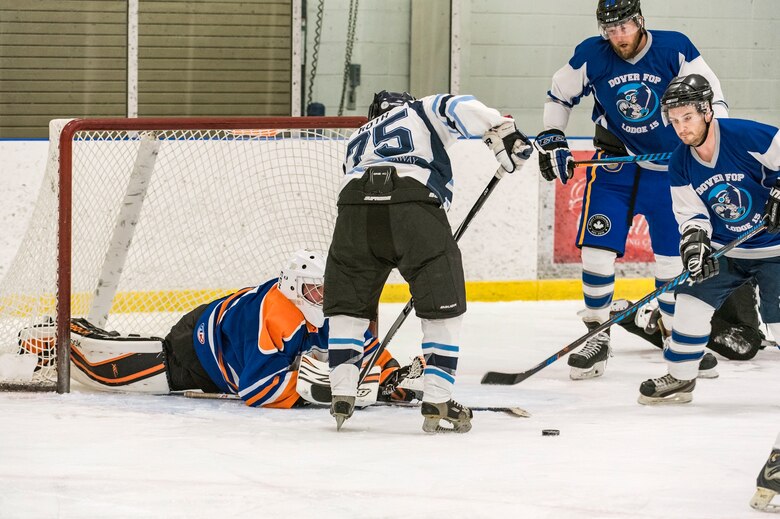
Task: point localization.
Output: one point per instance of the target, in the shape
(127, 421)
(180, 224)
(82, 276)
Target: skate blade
(432, 425)
(761, 500)
(708, 373)
(673, 399)
(340, 419)
(584, 374)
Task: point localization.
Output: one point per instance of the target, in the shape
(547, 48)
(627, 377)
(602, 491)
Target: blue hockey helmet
(385, 101)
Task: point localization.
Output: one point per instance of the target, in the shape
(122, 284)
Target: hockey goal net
(141, 220)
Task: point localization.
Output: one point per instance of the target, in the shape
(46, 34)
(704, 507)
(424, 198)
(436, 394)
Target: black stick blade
(500, 379)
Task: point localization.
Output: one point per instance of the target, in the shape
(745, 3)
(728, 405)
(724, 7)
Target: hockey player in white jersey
(724, 181)
(396, 187)
(626, 69)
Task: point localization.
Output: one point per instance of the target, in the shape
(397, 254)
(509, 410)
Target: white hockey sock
(345, 353)
(598, 283)
(689, 337)
(441, 340)
(666, 268)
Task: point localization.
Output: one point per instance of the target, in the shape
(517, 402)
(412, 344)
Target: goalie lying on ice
(248, 343)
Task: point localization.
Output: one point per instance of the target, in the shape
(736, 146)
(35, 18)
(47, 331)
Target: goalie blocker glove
(509, 145)
(555, 159)
(696, 253)
(772, 210)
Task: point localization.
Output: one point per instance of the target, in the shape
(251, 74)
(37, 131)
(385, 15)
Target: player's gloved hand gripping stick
(512, 148)
(619, 160)
(508, 379)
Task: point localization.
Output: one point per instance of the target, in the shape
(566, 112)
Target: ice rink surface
(117, 456)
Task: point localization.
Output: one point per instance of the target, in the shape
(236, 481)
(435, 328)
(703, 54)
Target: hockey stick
(500, 172)
(508, 379)
(512, 411)
(620, 160)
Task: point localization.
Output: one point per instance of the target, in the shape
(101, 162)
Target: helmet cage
(301, 281)
(312, 290)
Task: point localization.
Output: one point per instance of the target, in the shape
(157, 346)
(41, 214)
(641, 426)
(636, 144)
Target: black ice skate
(456, 414)
(341, 408)
(708, 366)
(591, 361)
(768, 483)
(666, 390)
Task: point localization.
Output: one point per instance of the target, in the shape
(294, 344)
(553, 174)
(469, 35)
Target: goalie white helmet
(301, 281)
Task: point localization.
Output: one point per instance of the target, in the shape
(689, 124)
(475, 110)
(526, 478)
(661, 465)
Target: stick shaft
(410, 304)
(494, 377)
(623, 160)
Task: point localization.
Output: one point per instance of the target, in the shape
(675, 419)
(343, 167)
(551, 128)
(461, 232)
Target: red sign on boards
(568, 207)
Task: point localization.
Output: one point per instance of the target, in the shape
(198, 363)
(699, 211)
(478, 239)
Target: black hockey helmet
(610, 12)
(693, 89)
(385, 101)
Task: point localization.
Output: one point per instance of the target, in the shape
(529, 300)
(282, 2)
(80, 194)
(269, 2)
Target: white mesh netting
(166, 220)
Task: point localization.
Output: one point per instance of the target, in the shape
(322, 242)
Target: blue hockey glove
(554, 155)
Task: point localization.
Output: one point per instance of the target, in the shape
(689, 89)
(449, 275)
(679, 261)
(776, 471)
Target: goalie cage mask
(301, 281)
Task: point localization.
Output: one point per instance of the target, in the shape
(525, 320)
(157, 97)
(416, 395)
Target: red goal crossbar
(63, 304)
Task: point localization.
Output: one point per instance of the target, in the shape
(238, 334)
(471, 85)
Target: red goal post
(155, 216)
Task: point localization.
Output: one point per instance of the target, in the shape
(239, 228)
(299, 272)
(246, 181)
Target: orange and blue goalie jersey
(247, 342)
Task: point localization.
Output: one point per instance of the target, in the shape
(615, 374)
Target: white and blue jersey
(414, 138)
(628, 92)
(727, 196)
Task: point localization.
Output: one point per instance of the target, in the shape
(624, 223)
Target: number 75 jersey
(414, 138)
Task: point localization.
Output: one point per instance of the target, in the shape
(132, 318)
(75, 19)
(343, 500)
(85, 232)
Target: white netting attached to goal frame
(149, 218)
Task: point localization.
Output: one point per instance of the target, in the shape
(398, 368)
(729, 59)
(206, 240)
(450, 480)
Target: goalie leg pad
(109, 361)
(314, 383)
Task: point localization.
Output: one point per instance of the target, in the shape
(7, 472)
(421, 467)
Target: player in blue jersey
(247, 343)
(397, 185)
(724, 181)
(626, 69)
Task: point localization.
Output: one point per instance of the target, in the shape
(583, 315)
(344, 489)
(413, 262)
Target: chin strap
(706, 133)
(707, 127)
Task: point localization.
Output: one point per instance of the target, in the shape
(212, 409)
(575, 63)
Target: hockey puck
(550, 432)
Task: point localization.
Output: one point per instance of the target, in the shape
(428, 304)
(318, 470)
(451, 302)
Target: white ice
(115, 456)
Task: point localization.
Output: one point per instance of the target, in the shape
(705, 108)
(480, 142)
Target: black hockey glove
(696, 253)
(509, 145)
(772, 210)
(554, 155)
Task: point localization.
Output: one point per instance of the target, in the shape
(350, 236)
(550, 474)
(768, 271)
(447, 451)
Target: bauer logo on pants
(599, 225)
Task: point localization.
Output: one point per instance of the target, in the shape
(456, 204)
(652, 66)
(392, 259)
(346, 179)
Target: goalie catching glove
(555, 159)
(509, 145)
(696, 253)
